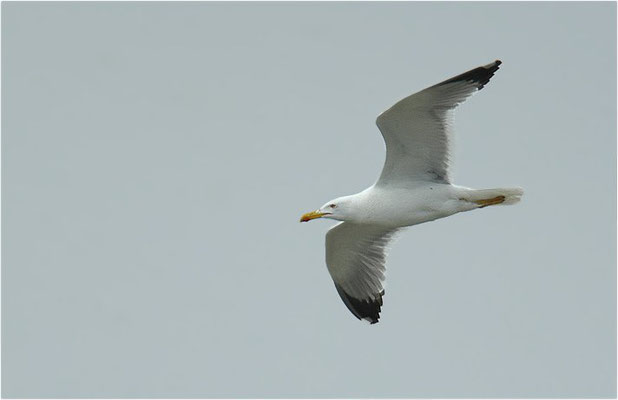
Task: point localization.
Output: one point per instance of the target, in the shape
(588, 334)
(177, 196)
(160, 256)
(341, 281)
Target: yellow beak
(312, 215)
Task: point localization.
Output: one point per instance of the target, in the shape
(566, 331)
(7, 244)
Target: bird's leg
(490, 202)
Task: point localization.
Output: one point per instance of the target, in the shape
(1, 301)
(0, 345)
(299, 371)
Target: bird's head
(334, 209)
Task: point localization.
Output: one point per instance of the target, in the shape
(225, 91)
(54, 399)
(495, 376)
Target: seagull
(415, 186)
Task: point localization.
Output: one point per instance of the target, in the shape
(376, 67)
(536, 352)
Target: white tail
(511, 195)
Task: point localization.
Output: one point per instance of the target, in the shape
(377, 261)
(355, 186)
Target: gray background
(156, 159)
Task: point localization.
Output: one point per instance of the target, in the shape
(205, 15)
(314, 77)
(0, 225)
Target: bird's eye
(333, 205)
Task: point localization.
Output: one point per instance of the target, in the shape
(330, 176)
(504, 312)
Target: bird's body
(414, 187)
(405, 206)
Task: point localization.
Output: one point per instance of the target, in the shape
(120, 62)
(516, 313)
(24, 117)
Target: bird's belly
(412, 217)
(414, 206)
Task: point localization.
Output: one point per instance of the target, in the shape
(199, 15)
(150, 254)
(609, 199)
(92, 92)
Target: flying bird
(415, 186)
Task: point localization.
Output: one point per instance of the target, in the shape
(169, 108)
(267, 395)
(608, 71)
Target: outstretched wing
(356, 257)
(416, 129)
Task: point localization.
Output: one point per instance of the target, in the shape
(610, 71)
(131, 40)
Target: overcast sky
(156, 159)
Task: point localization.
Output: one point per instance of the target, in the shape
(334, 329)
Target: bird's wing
(356, 256)
(416, 129)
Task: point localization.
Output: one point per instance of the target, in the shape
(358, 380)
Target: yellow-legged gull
(414, 187)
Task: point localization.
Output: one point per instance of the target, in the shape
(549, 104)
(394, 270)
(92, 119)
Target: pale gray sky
(156, 159)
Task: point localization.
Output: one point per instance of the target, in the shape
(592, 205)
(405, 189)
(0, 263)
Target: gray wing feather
(416, 130)
(356, 260)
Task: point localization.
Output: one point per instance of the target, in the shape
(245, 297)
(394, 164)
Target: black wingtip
(368, 310)
(478, 76)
